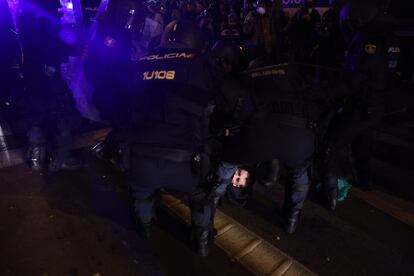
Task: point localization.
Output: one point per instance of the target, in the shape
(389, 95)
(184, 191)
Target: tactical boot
(37, 158)
(144, 230)
(99, 151)
(330, 191)
(331, 198)
(272, 175)
(292, 221)
(202, 239)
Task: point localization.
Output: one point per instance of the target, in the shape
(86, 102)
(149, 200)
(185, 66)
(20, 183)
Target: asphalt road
(78, 224)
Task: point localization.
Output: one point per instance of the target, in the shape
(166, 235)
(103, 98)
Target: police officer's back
(166, 129)
(275, 124)
(179, 82)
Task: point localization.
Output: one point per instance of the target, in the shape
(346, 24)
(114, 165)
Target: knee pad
(299, 177)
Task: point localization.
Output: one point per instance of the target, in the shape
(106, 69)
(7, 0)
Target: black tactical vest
(280, 103)
(369, 64)
(278, 91)
(169, 99)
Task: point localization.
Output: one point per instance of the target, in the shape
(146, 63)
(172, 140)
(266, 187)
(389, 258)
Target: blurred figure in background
(234, 30)
(263, 28)
(303, 32)
(331, 43)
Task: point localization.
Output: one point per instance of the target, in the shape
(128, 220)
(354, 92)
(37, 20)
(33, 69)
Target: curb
(241, 244)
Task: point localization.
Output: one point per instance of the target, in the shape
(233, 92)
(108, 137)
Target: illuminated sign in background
(298, 3)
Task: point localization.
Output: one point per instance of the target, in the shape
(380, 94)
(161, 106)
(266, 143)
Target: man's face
(199, 7)
(261, 9)
(240, 178)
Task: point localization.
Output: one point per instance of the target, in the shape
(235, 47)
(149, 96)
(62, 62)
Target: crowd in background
(264, 28)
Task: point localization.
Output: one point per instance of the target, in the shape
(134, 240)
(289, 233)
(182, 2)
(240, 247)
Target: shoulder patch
(370, 49)
(394, 50)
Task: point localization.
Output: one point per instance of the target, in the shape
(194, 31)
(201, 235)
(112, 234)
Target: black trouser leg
(202, 219)
(62, 143)
(272, 174)
(296, 195)
(329, 175)
(62, 138)
(142, 199)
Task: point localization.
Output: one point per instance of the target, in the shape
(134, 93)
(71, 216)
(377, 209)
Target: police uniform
(109, 67)
(370, 61)
(49, 99)
(279, 128)
(167, 130)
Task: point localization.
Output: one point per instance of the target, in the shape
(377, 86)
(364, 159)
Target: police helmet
(358, 13)
(185, 32)
(228, 52)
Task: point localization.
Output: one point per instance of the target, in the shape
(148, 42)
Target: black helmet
(355, 15)
(184, 32)
(228, 52)
(358, 13)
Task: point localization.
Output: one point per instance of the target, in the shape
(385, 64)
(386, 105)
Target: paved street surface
(78, 224)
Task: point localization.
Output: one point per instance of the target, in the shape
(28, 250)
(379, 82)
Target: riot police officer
(109, 67)
(48, 97)
(370, 59)
(277, 126)
(167, 128)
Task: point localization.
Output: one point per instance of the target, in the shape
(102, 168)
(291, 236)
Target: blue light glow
(67, 11)
(14, 9)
